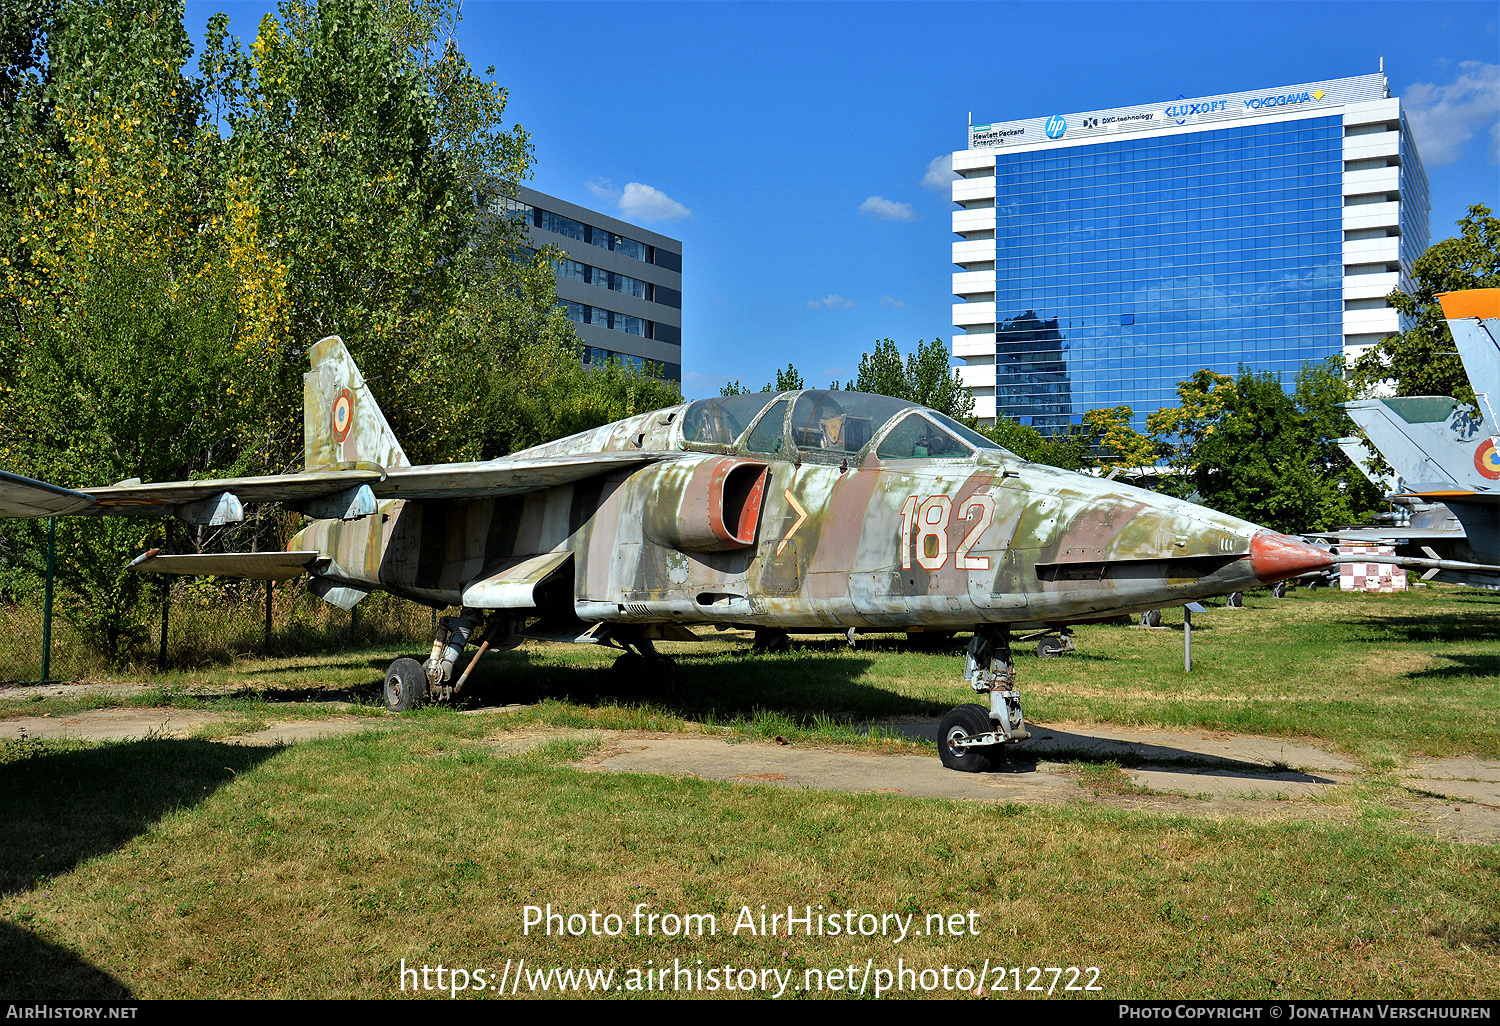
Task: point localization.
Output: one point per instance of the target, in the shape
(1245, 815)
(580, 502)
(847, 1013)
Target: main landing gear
(971, 737)
(642, 667)
(409, 683)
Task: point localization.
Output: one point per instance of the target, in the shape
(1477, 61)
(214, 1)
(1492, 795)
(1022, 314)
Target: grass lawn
(195, 868)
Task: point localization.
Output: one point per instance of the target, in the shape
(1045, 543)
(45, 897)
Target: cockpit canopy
(832, 425)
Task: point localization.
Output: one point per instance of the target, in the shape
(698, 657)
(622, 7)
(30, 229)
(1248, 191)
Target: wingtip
(1481, 303)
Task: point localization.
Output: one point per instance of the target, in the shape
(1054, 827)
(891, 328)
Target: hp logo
(1056, 126)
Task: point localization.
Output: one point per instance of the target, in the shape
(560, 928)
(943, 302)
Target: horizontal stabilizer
(23, 498)
(1433, 443)
(256, 566)
(1389, 534)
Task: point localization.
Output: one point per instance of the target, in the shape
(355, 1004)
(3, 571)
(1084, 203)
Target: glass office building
(1105, 257)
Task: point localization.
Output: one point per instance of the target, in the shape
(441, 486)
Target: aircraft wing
(132, 498)
(345, 493)
(22, 498)
(506, 477)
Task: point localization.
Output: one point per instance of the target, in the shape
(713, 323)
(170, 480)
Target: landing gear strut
(971, 737)
(408, 682)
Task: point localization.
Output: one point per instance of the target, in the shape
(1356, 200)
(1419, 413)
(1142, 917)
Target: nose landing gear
(971, 738)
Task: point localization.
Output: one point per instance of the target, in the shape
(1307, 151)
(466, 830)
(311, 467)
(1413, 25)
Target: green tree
(1422, 360)
(1269, 456)
(1179, 431)
(789, 380)
(1071, 450)
(926, 377)
(362, 138)
(1128, 447)
(123, 351)
(171, 244)
(882, 372)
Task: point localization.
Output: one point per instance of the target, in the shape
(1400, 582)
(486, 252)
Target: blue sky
(787, 144)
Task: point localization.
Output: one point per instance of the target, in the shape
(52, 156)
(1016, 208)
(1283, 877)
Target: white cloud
(829, 302)
(939, 174)
(1445, 117)
(643, 203)
(887, 210)
(891, 303)
(604, 190)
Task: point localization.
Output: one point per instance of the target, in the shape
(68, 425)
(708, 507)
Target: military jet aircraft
(803, 511)
(1445, 456)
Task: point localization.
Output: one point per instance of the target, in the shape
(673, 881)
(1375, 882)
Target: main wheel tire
(1235, 600)
(1278, 590)
(405, 684)
(663, 673)
(770, 642)
(629, 672)
(1151, 618)
(966, 721)
(1048, 648)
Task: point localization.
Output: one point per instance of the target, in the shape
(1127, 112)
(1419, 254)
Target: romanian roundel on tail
(342, 425)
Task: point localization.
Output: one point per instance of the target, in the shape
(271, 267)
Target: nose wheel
(972, 738)
(958, 740)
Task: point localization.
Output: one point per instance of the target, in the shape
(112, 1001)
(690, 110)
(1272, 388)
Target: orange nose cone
(1275, 557)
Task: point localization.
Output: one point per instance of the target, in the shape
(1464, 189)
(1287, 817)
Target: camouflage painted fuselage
(713, 532)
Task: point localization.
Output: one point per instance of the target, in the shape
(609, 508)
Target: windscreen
(722, 419)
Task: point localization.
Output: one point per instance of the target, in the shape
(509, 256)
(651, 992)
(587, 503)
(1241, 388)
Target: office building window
(551, 222)
(1122, 267)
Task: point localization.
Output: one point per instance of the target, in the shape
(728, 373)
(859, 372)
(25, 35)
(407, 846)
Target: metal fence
(201, 622)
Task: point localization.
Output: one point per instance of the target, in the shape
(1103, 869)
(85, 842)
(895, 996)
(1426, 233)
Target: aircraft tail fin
(1474, 319)
(341, 422)
(1432, 442)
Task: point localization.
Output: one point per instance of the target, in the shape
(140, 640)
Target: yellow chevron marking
(801, 519)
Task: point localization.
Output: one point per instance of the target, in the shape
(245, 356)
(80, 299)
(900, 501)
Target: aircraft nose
(1276, 557)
